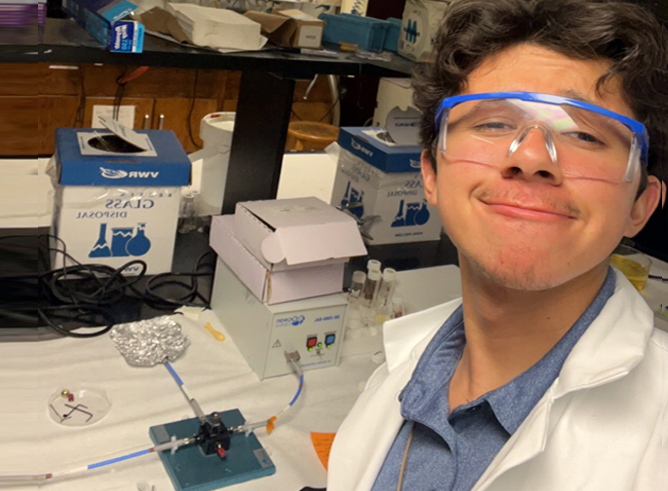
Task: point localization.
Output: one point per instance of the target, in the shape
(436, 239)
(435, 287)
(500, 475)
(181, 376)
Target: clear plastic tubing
(356, 286)
(370, 289)
(385, 290)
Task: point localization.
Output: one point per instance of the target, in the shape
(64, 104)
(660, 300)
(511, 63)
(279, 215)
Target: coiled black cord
(85, 292)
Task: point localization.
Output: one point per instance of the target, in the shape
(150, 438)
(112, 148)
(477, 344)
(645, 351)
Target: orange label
(322, 443)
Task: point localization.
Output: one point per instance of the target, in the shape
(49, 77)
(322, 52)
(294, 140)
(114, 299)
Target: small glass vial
(356, 286)
(370, 289)
(386, 289)
(398, 307)
(187, 213)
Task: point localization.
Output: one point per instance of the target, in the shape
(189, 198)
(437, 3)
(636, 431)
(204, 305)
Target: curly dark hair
(629, 35)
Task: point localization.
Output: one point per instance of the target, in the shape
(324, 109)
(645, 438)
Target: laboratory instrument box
(104, 20)
(265, 333)
(418, 27)
(117, 196)
(380, 183)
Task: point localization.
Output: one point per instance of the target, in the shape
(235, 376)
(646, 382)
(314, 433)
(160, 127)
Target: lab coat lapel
(613, 344)
(405, 340)
(527, 442)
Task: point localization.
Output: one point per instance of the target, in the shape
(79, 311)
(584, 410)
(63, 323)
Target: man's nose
(533, 156)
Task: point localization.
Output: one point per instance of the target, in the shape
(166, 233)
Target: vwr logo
(295, 320)
(360, 148)
(121, 174)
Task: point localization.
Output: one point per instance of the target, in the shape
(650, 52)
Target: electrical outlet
(126, 115)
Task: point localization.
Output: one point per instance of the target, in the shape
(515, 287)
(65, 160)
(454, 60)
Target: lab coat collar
(607, 351)
(407, 337)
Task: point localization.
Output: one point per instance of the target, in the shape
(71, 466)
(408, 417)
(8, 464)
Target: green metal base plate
(191, 470)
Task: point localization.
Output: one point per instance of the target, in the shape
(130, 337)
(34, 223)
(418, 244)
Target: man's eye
(494, 126)
(583, 137)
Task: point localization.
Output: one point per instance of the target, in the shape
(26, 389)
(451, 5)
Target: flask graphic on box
(119, 239)
(352, 201)
(415, 213)
(139, 244)
(123, 242)
(101, 248)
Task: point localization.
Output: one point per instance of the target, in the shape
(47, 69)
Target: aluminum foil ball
(147, 343)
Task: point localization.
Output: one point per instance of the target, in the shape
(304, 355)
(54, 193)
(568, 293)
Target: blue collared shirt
(450, 451)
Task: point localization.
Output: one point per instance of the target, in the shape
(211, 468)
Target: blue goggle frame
(636, 127)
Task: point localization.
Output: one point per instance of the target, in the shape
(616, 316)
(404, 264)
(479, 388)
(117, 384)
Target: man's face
(524, 225)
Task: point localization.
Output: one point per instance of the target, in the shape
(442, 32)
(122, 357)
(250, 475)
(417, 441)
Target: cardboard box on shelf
(290, 28)
(106, 21)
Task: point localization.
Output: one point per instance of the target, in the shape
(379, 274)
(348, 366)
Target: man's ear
(644, 206)
(429, 178)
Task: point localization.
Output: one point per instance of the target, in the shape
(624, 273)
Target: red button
(311, 342)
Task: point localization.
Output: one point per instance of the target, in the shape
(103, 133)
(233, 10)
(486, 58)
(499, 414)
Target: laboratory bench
(265, 97)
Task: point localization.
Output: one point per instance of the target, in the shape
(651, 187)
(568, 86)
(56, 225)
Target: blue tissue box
(103, 19)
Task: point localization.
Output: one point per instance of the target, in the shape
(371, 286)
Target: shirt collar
(510, 403)
(513, 401)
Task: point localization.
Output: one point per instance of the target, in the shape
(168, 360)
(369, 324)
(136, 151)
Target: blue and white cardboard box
(106, 21)
(114, 207)
(380, 183)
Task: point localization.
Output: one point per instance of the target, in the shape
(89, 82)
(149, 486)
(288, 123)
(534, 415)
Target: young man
(548, 374)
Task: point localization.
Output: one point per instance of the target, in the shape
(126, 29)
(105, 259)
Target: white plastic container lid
(389, 274)
(217, 128)
(374, 275)
(359, 277)
(373, 264)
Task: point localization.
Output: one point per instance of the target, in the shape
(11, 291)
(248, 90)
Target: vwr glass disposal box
(380, 182)
(117, 196)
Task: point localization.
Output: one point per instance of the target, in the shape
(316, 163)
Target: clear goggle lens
(580, 142)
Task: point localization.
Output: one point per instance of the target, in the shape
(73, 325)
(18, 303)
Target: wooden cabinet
(55, 111)
(18, 126)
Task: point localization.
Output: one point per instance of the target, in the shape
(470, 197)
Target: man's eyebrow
(574, 94)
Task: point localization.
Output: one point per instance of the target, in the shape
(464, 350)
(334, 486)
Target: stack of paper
(217, 28)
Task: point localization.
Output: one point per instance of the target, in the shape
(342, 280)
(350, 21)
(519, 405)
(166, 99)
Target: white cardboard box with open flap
(297, 233)
(266, 283)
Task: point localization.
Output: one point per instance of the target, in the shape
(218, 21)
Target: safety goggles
(584, 140)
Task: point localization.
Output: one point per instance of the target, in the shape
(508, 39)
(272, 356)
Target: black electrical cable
(190, 112)
(98, 287)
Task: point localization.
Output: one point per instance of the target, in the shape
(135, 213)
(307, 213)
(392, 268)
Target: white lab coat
(601, 426)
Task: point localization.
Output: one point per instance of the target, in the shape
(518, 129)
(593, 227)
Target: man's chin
(519, 275)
